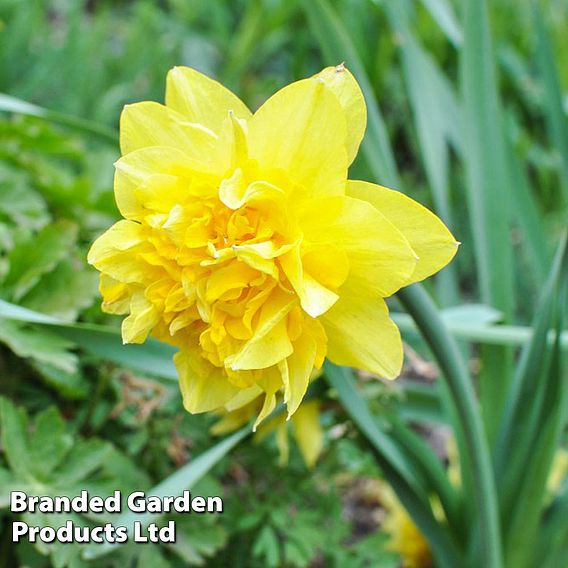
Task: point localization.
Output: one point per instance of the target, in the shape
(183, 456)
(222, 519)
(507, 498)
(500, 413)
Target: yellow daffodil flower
(404, 536)
(244, 244)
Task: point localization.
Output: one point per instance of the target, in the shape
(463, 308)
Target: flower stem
(421, 307)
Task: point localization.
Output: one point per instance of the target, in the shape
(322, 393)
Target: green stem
(420, 306)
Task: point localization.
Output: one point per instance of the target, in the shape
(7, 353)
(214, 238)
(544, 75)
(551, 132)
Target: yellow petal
(203, 386)
(360, 334)
(270, 342)
(232, 146)
(244, 397)
(142, 319)
(234, 192)
(301, 131)
(427, 235)
(282, 444)
(200, 99)
(267, 408)
(150, 124)
(113, 253)
(138, 168)
(234, 276)
(344, 86)
(315, 298)
(380, 258)
(296, 371)
(229, 423)
(270, 382)
(116, 295)
(263, 350)
(308, 431)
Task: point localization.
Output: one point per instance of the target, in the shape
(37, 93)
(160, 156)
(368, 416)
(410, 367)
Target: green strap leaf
(152, 357)
(15, 105)
(488, 193)
(556, 120)
(443, 13)
(406, 479)
(477, 332)
(526, 388)
(174, 485)
(337, 47)
(481, 483)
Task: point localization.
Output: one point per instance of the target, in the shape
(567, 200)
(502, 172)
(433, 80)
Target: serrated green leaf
(49, 443)
(69, 385)
(63, 292)
(85, 458)
(267, 547)
(38, 344)
(14, 424)
(37, 255)
(197, 540)
(20, 205)
(184, 478)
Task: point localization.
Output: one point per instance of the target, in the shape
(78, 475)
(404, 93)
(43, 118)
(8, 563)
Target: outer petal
(344, 86)
(427, 235)
(361, 334)
(308, 431)
(203, 386)
(115, 253)
(296, 371)
(136, 170)
(380, 258)
(301, 130)
(152, 124)
(142, 319)
(200, 99)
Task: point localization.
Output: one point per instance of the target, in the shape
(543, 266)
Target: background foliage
(467, 113)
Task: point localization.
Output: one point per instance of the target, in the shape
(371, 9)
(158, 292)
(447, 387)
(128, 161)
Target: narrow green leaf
(438, 121)
(528, 219)
(342, 380)
(511, 335)
(397, 467)
(430, 467)
(41, 346)
(489, 203)
(443, 14)
(420, 402)
(521, 533)
(556, 120)
(475, 454)
(534, 420)
(525, 388)
(14, 105)
(152, 357)
(553, 536)
(338, 47)
(174, 485)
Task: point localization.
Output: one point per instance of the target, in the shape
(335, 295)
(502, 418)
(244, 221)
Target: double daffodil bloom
(244, 244)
